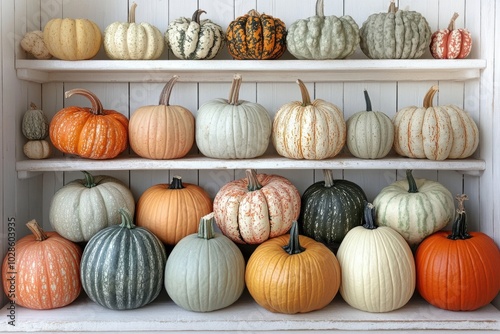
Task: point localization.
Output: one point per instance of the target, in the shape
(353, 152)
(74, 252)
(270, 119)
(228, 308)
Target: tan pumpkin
(37, 149)
(34, 45)
(435, 132)
(163, 131)
(309, 130)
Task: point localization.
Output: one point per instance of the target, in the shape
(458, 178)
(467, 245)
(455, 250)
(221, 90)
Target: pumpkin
(451, 43)
(122, 266)
(37, 149)
(233, 128)
(330, 208)
(397, 34)
(83, 207)
(131, 40)
(194, 38)
(434, 132)
(256, 208)
(72, 39)
(35, 125)
(256, 36)
(94, 133)
(378, 269)
(205, 271)
(162, 131)
(323, 37)
(42, 270)
(370, 134)
(34, 45)
(458, 270)
(292, 274)
(308, 130)
(415, 208)
(172, 211)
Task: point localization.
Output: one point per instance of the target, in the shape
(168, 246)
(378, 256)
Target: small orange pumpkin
(451, 43)
(94, 133)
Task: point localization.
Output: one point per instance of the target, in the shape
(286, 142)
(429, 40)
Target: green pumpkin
(35, 125)
(323, 37)
(397, 34)
(205, 271)
(331, 208)
(122, 266)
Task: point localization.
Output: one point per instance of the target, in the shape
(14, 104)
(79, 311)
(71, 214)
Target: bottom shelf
(245, 316)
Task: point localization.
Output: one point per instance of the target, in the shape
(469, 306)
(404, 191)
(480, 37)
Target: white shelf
(27, 168)
(245, 315)
(42, 71)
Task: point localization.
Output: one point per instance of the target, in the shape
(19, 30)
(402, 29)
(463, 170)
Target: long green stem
(294, 246)
(412, 185)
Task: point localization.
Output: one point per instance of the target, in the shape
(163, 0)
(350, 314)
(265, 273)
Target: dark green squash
(331, 208)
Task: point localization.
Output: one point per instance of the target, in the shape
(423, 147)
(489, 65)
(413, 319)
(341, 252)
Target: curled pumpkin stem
(96, 108)
(451, 26)
(196, 15)
(430, 96)
(37, 230)
(167, 90)
(306, 98)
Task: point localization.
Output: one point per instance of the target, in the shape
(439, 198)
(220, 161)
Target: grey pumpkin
(35, 125)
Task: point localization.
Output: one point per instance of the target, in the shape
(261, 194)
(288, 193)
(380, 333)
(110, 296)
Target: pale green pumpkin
(35, 125)
(323, 37)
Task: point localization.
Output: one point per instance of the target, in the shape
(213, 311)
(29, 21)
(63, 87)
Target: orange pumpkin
(94, 133)
(458, 271)
(451, 43)
(44, 273)
(172, 211)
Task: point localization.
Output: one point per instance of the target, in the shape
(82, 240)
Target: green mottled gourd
(35, 125)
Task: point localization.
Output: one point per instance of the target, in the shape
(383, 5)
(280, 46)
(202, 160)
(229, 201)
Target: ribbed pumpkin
(397, 34)
(42, 271)
(192, 38)
(94, 133)
(256, 208)
(292, 274)
(72, 39)
(172, 211)
(256, 36)
(205, 271)
(323, 37)
(331, 208)
(370, 134)
(415, 208)
(451, 43)
(85, 206)
(378, 269)
(233, 128)
(309, 130)
(35, 125)
(162, 131)
(435, 132)
(37, 149)
(458, 270)
(131, 40)
(122, 266)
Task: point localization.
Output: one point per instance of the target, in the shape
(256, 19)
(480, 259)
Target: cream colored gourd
(33, 44)
(435, 132)
(37, 149)
(131, 40)
(370, 134)
(309, 130)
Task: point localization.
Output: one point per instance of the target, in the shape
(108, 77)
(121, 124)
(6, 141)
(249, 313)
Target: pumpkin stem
(253, 182)
(430, 96)
(37, 230)
(451, 26)
(127, 221)
(369, 216)
(306, 98)
(459, 228)
(206, 227)
(196, 15)
(33, 106)
(234, 93)
(176, 183)
(167, 90)
(392, 7)
(328, 175)
(368, 101)
(94, 100)
(320, 8)
(131, 14)
(294, 246)
(412, 185)
(89, 180)
(253, 12)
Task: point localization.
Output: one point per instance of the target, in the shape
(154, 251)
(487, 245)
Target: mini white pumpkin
(37, 149)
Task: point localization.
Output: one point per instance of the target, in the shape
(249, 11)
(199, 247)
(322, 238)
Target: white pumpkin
(33, 44)
(37, 149)
(378, 270)
(130, 40)
(232, 128)
(370, 134)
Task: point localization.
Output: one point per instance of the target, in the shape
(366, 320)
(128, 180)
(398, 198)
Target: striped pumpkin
(451, 43)
(122, 266)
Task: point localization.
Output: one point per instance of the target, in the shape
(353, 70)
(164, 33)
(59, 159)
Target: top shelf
(42, 71)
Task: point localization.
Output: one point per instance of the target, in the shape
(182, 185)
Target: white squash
(33, 44)
(37, 149)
